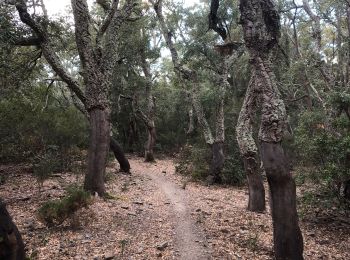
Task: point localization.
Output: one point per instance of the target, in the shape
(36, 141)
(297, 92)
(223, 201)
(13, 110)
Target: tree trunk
(249, 150)
(217, 163)
(149, 117)
(347, 190)
(98, 150)
(119, 155)
(261, 27)
(288, 241)
(149, 156)
(11, 244)
(256, 202)
(114, 145)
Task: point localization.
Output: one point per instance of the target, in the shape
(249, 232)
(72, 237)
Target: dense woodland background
(183, 104)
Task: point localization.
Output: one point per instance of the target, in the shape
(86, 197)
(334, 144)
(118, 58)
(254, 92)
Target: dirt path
(189, 240)
(150, 216)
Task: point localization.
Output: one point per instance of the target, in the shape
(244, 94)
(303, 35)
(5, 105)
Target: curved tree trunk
(119, 155)
(261, 27)
(249, 150)
(98, 150)
(149, 156)
(11, 244)
(288, 241)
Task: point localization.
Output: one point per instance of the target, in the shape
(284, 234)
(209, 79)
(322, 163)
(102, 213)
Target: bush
(26, 130)
(326, 155)
(43, 166)
(194, 161)
(55, 212)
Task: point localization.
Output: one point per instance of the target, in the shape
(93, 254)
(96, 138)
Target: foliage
(326, 154)
(44, 166)
(192, 161)
(27, 130)
(55, 212)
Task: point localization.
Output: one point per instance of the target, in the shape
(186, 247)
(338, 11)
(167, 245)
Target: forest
(169, 129)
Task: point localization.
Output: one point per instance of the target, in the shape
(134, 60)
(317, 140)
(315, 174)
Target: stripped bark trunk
(261, 28)
(98, 151)
(114, 145)
(347, 190)
(119, 155)
(217, 163)
(11, 244)
(133, 134)
(96, 100)
(288, 241)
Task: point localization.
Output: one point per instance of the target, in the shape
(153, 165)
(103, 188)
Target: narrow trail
(152, 217)
(189, 239)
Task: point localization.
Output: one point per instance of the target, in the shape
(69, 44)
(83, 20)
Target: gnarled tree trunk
(261, 28)
(249, 150)
(11, 244)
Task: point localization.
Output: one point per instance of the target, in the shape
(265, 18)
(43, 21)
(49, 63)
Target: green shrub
(325, 154)
(55, 212)
(43, 166)
(26, 130)
(194, 161)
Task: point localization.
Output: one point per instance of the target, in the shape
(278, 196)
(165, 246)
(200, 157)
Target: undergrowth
(55, 212)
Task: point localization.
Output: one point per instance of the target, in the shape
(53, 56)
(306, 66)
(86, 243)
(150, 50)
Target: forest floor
(156, 214)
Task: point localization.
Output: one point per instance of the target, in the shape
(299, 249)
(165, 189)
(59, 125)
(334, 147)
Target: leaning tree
(261, 28)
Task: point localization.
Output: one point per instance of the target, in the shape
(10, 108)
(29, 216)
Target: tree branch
(214, 22)
(82, 33)
(47, 50)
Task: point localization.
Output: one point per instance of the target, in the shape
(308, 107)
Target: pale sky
(59, 6)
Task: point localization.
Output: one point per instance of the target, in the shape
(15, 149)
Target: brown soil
(155, 215)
